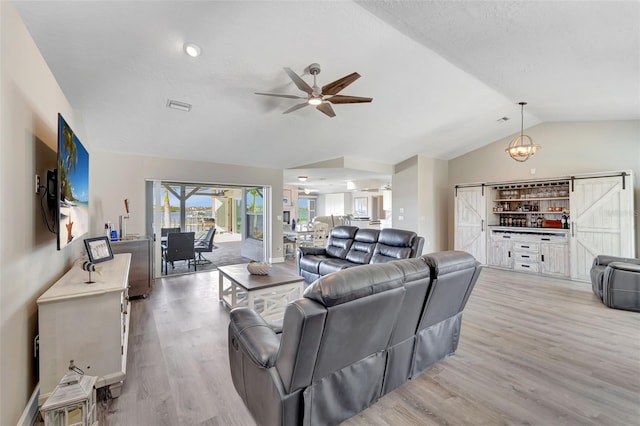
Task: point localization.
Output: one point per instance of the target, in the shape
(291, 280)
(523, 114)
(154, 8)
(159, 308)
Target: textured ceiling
(440, 74)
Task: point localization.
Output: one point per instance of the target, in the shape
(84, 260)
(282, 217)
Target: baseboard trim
(30, 413)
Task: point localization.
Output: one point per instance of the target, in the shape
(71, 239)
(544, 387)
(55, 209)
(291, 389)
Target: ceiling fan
(322, 99)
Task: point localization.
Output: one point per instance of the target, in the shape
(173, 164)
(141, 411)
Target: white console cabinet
(87, 323)
(555, 226)
(543, 251)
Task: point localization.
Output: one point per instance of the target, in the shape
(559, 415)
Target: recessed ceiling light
(302, 178)
(192, 49)
(182, 106)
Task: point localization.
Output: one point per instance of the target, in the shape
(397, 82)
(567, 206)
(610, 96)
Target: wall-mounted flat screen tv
(72, 186)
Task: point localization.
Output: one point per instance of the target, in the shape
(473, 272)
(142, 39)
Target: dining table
(294, 239)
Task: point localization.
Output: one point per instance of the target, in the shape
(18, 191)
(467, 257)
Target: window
(306, 209)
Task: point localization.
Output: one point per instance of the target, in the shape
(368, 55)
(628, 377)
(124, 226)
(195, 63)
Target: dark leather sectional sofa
(355, 335)
(349, 246)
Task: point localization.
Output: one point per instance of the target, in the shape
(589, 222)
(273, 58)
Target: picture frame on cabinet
(98, 249)
(286, 197)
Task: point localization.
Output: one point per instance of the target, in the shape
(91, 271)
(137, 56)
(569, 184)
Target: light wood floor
(533, 350)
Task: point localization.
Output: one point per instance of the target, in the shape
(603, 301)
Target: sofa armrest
(312, 250)
(621, 286)
(418, 246)
(604, 260)
(250, 331)
(625, 266)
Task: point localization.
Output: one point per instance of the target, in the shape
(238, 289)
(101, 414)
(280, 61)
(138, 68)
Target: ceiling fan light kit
(522, 147)
(320, 98)
(180, 106)
(192, 49)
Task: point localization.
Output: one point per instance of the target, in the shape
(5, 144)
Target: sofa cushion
(340, 241)
(312, 262)
(393, 244)
(332, 265)
(396, 237)
(354, 283)
(363, 246)
(366, 235)
(384, 253)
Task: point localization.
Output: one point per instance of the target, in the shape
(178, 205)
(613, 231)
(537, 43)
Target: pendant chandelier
(522, 147)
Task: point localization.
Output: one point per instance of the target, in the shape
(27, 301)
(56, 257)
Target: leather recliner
(454, 274)
(428, 329)
(350, 246)
(616, 281)
(355, 335)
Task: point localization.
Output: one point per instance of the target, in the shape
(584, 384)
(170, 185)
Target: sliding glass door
(237, 213)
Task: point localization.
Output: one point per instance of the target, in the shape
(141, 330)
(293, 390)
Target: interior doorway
(377, 212)
(233, 215)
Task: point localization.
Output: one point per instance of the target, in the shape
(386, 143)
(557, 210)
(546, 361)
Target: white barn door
(601, 221)
(470, 219)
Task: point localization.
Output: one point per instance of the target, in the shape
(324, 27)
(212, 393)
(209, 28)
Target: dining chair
(304, 237)
(319, 236)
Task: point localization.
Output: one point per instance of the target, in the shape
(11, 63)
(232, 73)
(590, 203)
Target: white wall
(29, 262)
(568, 148)
(432, 205)
(30, 100)
(115, 177)
(420, 198)
(405, 184)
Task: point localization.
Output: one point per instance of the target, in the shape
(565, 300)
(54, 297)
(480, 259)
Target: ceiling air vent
(182, 106)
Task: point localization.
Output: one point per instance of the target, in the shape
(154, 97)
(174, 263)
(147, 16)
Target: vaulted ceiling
(441, 74)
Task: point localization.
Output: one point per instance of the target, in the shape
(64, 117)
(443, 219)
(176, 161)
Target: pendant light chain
(522, 104)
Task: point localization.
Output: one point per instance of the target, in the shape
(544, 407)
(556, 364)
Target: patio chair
(205, 245)
(166, 231)
(180, 246)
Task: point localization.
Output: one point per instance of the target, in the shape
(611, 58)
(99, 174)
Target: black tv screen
(72, 186)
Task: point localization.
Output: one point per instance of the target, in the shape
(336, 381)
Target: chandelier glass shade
(522, 147)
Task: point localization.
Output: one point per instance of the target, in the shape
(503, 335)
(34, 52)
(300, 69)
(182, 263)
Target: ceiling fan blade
(302, 85)
(344, 99)
(336, 86)
(296, 107)
(327, 109)
(281, 96)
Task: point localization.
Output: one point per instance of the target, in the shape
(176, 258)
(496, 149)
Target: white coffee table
(272, 292)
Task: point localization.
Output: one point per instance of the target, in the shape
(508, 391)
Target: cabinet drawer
(525, 246)
(525, 256)
(525, 266)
